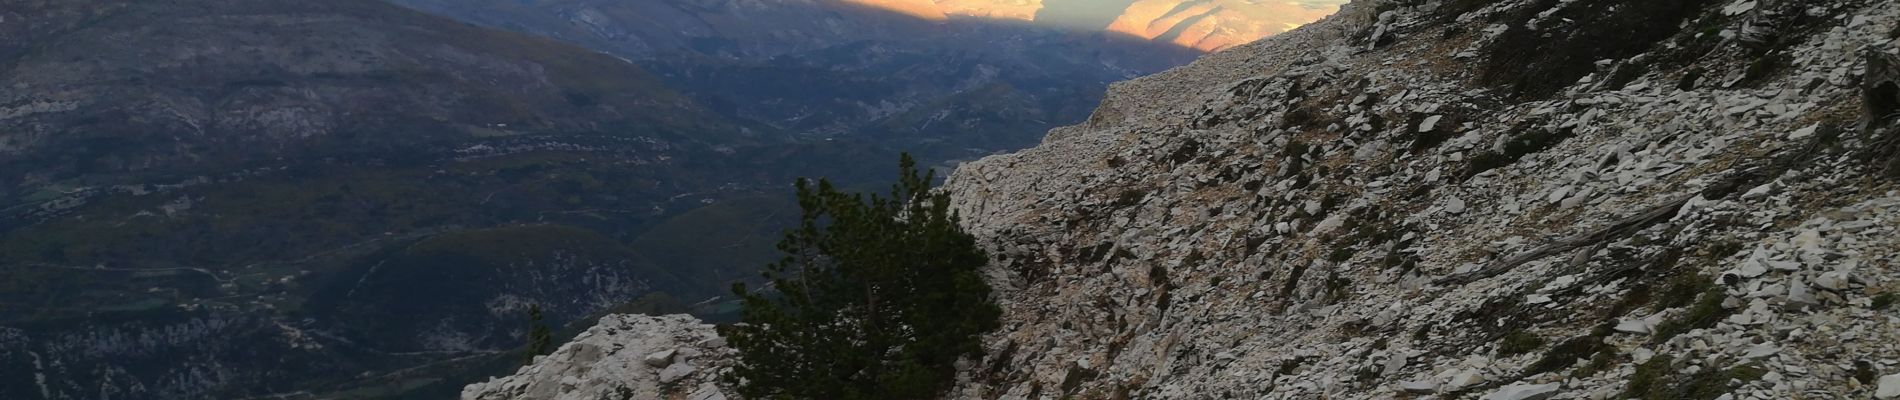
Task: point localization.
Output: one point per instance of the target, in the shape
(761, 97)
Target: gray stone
(1464, 379)
(1761, 350)
(1393, 365)
(660, 358)
(1889, 387)
(1525, 392)
(1430, 123)
(708, 391)
(674, 372)
(1635, 326)
(1418, 387)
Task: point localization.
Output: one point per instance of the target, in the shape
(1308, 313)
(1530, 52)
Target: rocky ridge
(1214, 25)
(1508, 200)
(622, 357)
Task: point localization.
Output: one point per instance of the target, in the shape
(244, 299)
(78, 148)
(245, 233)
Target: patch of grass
(1884, 301)
(1158, 276)
(1681, 290)
(1293, 281)
(1710, 383)
(1340, 254)
(1302, 181)
(1337, 287)
(1330, 203)
(1298, 116)
(1764, 67)
(1288, 366)
(1076, 377)
(1651, 378)
(1639, 295)
(1723, 249)
(1865, 373)
(1186, 152)
(1565, 354)
(1295, 148)
(1194, 258)
(1704, 314)
(1536, 63)
(1519, 342)
(1526, 142)
(1598, 363)
(1129, 198)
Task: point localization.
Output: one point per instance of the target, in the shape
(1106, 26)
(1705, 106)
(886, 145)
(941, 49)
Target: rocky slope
(1469, 200)
(1456, 199)
(1506, 200)
(622, 357)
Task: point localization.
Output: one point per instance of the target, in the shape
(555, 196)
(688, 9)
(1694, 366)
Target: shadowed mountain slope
(223, 198)
(884, 72)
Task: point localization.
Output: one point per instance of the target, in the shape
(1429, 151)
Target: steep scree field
(1515, 199)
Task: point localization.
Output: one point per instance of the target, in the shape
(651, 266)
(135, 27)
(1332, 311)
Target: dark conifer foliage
(540, 338)
(875, 298)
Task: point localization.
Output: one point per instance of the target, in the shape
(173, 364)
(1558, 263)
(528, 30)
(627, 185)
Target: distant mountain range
(920, 76)
(829, 68)
(232, 198)
(1208, 25)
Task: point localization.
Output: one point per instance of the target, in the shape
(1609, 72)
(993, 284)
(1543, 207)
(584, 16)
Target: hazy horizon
(1206, 25)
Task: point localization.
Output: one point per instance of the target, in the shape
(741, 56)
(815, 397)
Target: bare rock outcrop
(622, 357)
(1516, 199)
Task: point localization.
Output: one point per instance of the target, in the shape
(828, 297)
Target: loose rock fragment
(1525, 392)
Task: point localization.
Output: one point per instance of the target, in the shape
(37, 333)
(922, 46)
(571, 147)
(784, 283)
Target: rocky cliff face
(1507, 199)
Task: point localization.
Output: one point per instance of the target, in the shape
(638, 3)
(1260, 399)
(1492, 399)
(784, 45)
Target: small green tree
(539, 337)
(874, 298)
